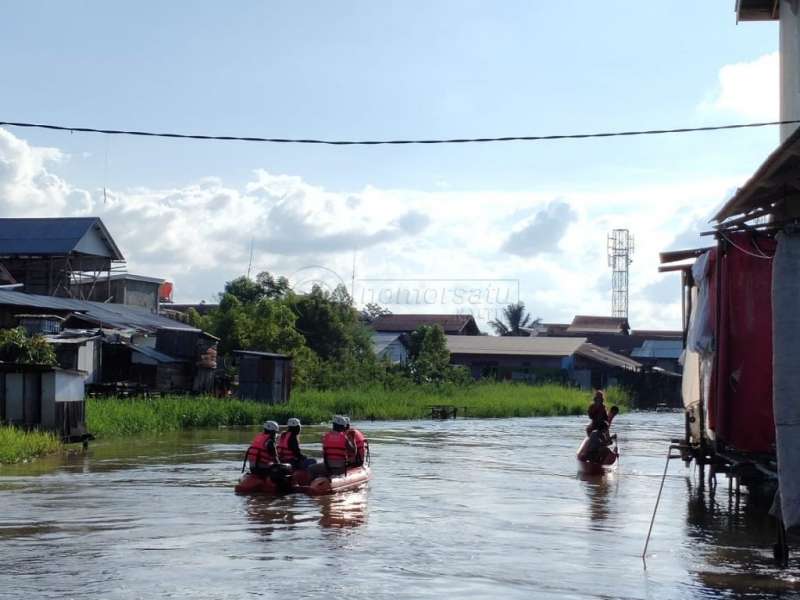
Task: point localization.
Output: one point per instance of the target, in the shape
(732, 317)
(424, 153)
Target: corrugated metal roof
(607, 357)
(659, 349)
(513, 345)
(51, 236)
(155, 354)
(131, 277)
(117, 316)
(452, 324)
(256, 353)
(588, 323)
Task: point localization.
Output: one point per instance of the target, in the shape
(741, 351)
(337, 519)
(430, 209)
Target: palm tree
(516, 318)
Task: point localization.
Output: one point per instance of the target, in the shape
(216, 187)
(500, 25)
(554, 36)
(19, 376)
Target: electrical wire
(513, 138)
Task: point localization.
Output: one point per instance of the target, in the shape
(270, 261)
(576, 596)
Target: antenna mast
(620, 256)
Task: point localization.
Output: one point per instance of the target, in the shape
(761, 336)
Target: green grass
(17, 444)
(108, 416)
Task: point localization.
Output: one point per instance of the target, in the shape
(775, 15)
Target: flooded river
(456, 509)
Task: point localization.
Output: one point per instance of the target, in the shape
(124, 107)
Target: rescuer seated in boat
(289, 446)
(262, 453)
(597, 450)
(360, 442)
(336, 447)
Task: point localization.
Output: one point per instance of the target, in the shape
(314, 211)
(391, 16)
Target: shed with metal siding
(43, 397)
(264, 376)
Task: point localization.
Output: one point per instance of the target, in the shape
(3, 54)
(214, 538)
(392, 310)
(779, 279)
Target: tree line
(328, 338)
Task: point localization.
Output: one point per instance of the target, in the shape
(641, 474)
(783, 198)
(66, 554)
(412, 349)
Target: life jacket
(257, 453)
(361, 444)
(334, 448)
(285, 452)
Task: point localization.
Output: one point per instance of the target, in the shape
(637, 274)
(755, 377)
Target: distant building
(532, 359)
(115, 344)
(391, 346)
(125, 288)
(583, 324)
(56, 256)
(451, 324)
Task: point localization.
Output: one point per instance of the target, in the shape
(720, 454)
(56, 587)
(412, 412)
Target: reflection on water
(456, 509)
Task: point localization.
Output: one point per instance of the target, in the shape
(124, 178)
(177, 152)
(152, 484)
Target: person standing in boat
(360, 442)
(598, 414)
(336, 447)
(262, 453)
(289, 446)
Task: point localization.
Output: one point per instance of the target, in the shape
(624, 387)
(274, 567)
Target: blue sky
(388, 70)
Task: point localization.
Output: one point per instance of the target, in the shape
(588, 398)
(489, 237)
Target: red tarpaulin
(740, 402)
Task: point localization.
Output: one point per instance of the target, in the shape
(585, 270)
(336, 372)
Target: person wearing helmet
(262, 453)
(337, 447)
(359, 441)
(289, 446)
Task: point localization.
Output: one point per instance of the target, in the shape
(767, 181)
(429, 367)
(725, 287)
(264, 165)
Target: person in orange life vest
(289, 446)
(360, 443)
(262, 453)
(337, 447)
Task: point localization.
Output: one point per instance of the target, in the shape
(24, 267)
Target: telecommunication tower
(620, 256)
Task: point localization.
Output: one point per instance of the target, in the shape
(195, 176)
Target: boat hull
(301, 482)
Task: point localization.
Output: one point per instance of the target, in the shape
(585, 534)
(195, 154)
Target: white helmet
(293, 422)
(271, 426)
(340, 420)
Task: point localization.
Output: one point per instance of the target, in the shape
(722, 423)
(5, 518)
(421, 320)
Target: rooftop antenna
(620, 256)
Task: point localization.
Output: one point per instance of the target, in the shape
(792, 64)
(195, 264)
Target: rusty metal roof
(451, 324)
(513, 345)
(587, 323)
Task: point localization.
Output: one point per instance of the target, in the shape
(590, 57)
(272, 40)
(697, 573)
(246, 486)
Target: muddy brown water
(456, 509)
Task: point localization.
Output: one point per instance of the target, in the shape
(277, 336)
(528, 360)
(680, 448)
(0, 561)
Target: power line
(512, 138)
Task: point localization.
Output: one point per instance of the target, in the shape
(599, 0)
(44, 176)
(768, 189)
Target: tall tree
(515, 318)
(428, 354)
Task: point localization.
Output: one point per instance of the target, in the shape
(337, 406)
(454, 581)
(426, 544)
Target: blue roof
(105, 314)
(659, 349)
(57, 236)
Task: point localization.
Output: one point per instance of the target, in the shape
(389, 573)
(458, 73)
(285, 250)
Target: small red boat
(300, 482)
(588, 467)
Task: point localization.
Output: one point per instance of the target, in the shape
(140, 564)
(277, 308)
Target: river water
(456, 509)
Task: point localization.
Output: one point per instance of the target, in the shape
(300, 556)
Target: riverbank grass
(17, 445)
(111, 416)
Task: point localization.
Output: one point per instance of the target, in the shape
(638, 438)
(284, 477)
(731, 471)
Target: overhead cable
(480, 140)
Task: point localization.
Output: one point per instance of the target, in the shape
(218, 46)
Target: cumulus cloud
(749, 90)
(542, 233)
(199, 235)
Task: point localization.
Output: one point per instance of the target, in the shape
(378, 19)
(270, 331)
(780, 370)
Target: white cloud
(199, 235)
(748, 90)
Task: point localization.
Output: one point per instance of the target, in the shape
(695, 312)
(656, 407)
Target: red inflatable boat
(300, 482)
(588, 467)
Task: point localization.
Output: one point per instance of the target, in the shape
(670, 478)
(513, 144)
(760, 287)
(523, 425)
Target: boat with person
(284, 480)
(588, 466)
